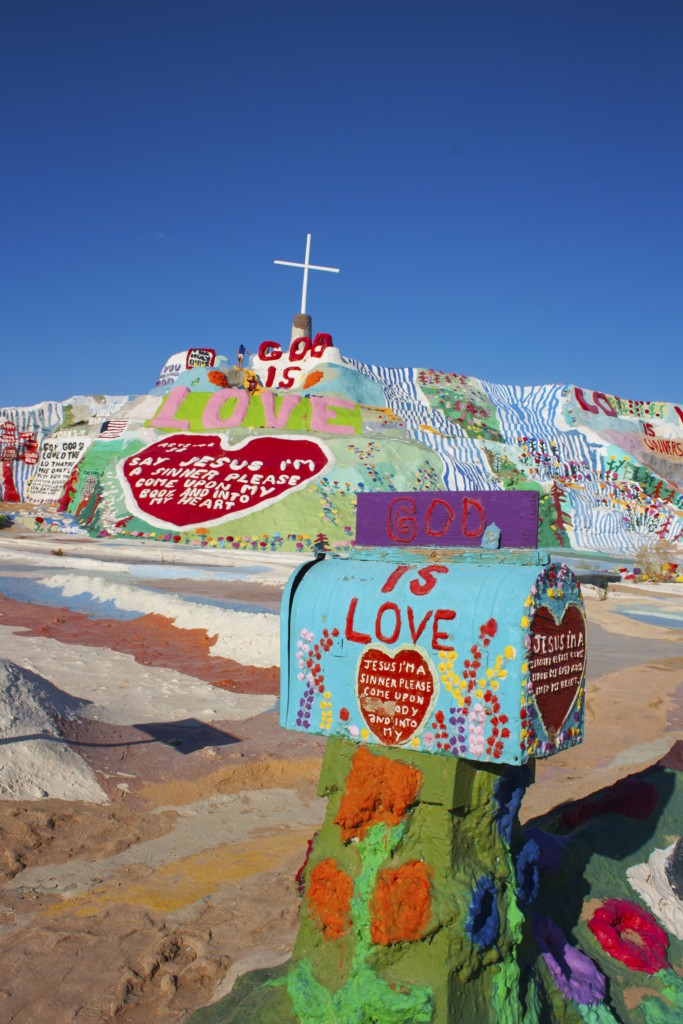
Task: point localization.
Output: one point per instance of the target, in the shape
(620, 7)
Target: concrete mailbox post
(439, 673)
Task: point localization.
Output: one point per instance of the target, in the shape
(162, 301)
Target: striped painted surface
(525, 411)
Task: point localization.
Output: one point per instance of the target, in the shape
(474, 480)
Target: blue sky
(500, 182)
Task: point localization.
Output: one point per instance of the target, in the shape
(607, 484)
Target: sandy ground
(146, 907)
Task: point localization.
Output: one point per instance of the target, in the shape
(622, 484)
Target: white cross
(306, 266)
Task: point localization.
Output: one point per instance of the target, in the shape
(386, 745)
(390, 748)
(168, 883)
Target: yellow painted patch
(182, 882)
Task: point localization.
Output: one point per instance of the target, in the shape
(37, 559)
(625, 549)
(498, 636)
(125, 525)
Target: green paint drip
(505, 983)
(365, 998)
(532, 1013)
(505, 992)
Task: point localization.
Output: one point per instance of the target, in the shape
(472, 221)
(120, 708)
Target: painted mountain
(272, 456)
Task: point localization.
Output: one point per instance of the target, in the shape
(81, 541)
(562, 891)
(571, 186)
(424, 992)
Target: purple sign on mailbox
(454, 519)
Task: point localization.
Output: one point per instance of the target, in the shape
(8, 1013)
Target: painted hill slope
(273, 455)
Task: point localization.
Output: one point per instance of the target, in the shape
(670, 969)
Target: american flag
(112, 428)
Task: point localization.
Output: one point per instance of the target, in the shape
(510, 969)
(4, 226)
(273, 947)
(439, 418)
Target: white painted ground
(38, 675)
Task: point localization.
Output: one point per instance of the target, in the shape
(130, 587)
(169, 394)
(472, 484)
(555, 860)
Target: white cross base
(306, 266)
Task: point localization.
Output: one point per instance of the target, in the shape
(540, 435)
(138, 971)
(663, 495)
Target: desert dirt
(147, 908)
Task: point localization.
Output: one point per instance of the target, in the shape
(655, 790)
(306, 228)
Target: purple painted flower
(574, 973)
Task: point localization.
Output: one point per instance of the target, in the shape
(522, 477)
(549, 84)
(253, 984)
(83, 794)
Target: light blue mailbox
(466, 653)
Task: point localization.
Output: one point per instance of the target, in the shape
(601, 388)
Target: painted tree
(561, 520)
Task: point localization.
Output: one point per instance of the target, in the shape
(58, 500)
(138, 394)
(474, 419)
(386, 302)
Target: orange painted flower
(329, 898)
(377, 790)
(401, 904)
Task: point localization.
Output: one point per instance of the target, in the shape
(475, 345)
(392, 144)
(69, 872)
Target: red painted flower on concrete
(401, 904)
(630, 935)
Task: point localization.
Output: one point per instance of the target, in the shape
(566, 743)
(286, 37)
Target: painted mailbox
(467, 653)
(436, 672)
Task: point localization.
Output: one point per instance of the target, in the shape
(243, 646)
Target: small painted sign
(557, 664)
(200, 357)
(446, 518)
(58, 457)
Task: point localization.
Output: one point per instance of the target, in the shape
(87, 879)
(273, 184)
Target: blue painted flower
(526, 871)
(551, 848)
(483, 918)
(508, 794)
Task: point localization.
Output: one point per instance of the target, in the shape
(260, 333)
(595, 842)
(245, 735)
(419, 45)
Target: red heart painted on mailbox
(395, 692)
(557, 663)
(195, 480)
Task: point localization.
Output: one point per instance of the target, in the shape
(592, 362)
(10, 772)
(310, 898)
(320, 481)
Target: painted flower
(377, 790)
(630, 935)
(574, 973)
(329, 898)
(300, 879)
(508, 794)
(401, 904)
(483, 917)
(526, 871)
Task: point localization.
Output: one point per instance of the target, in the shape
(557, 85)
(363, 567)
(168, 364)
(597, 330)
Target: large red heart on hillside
(395, 692)
(557, 663)
(194, 480)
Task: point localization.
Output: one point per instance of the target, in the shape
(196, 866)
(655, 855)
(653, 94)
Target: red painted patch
(395, 692)
(632, 797)
(187, 480)
(556, 664)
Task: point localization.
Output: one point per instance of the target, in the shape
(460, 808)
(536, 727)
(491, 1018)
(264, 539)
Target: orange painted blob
(313, 378)
(377, 790)
(217, 378)
(329, 898)
(401, 904)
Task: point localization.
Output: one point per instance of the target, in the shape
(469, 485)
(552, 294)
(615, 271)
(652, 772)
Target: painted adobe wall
(186, 462)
